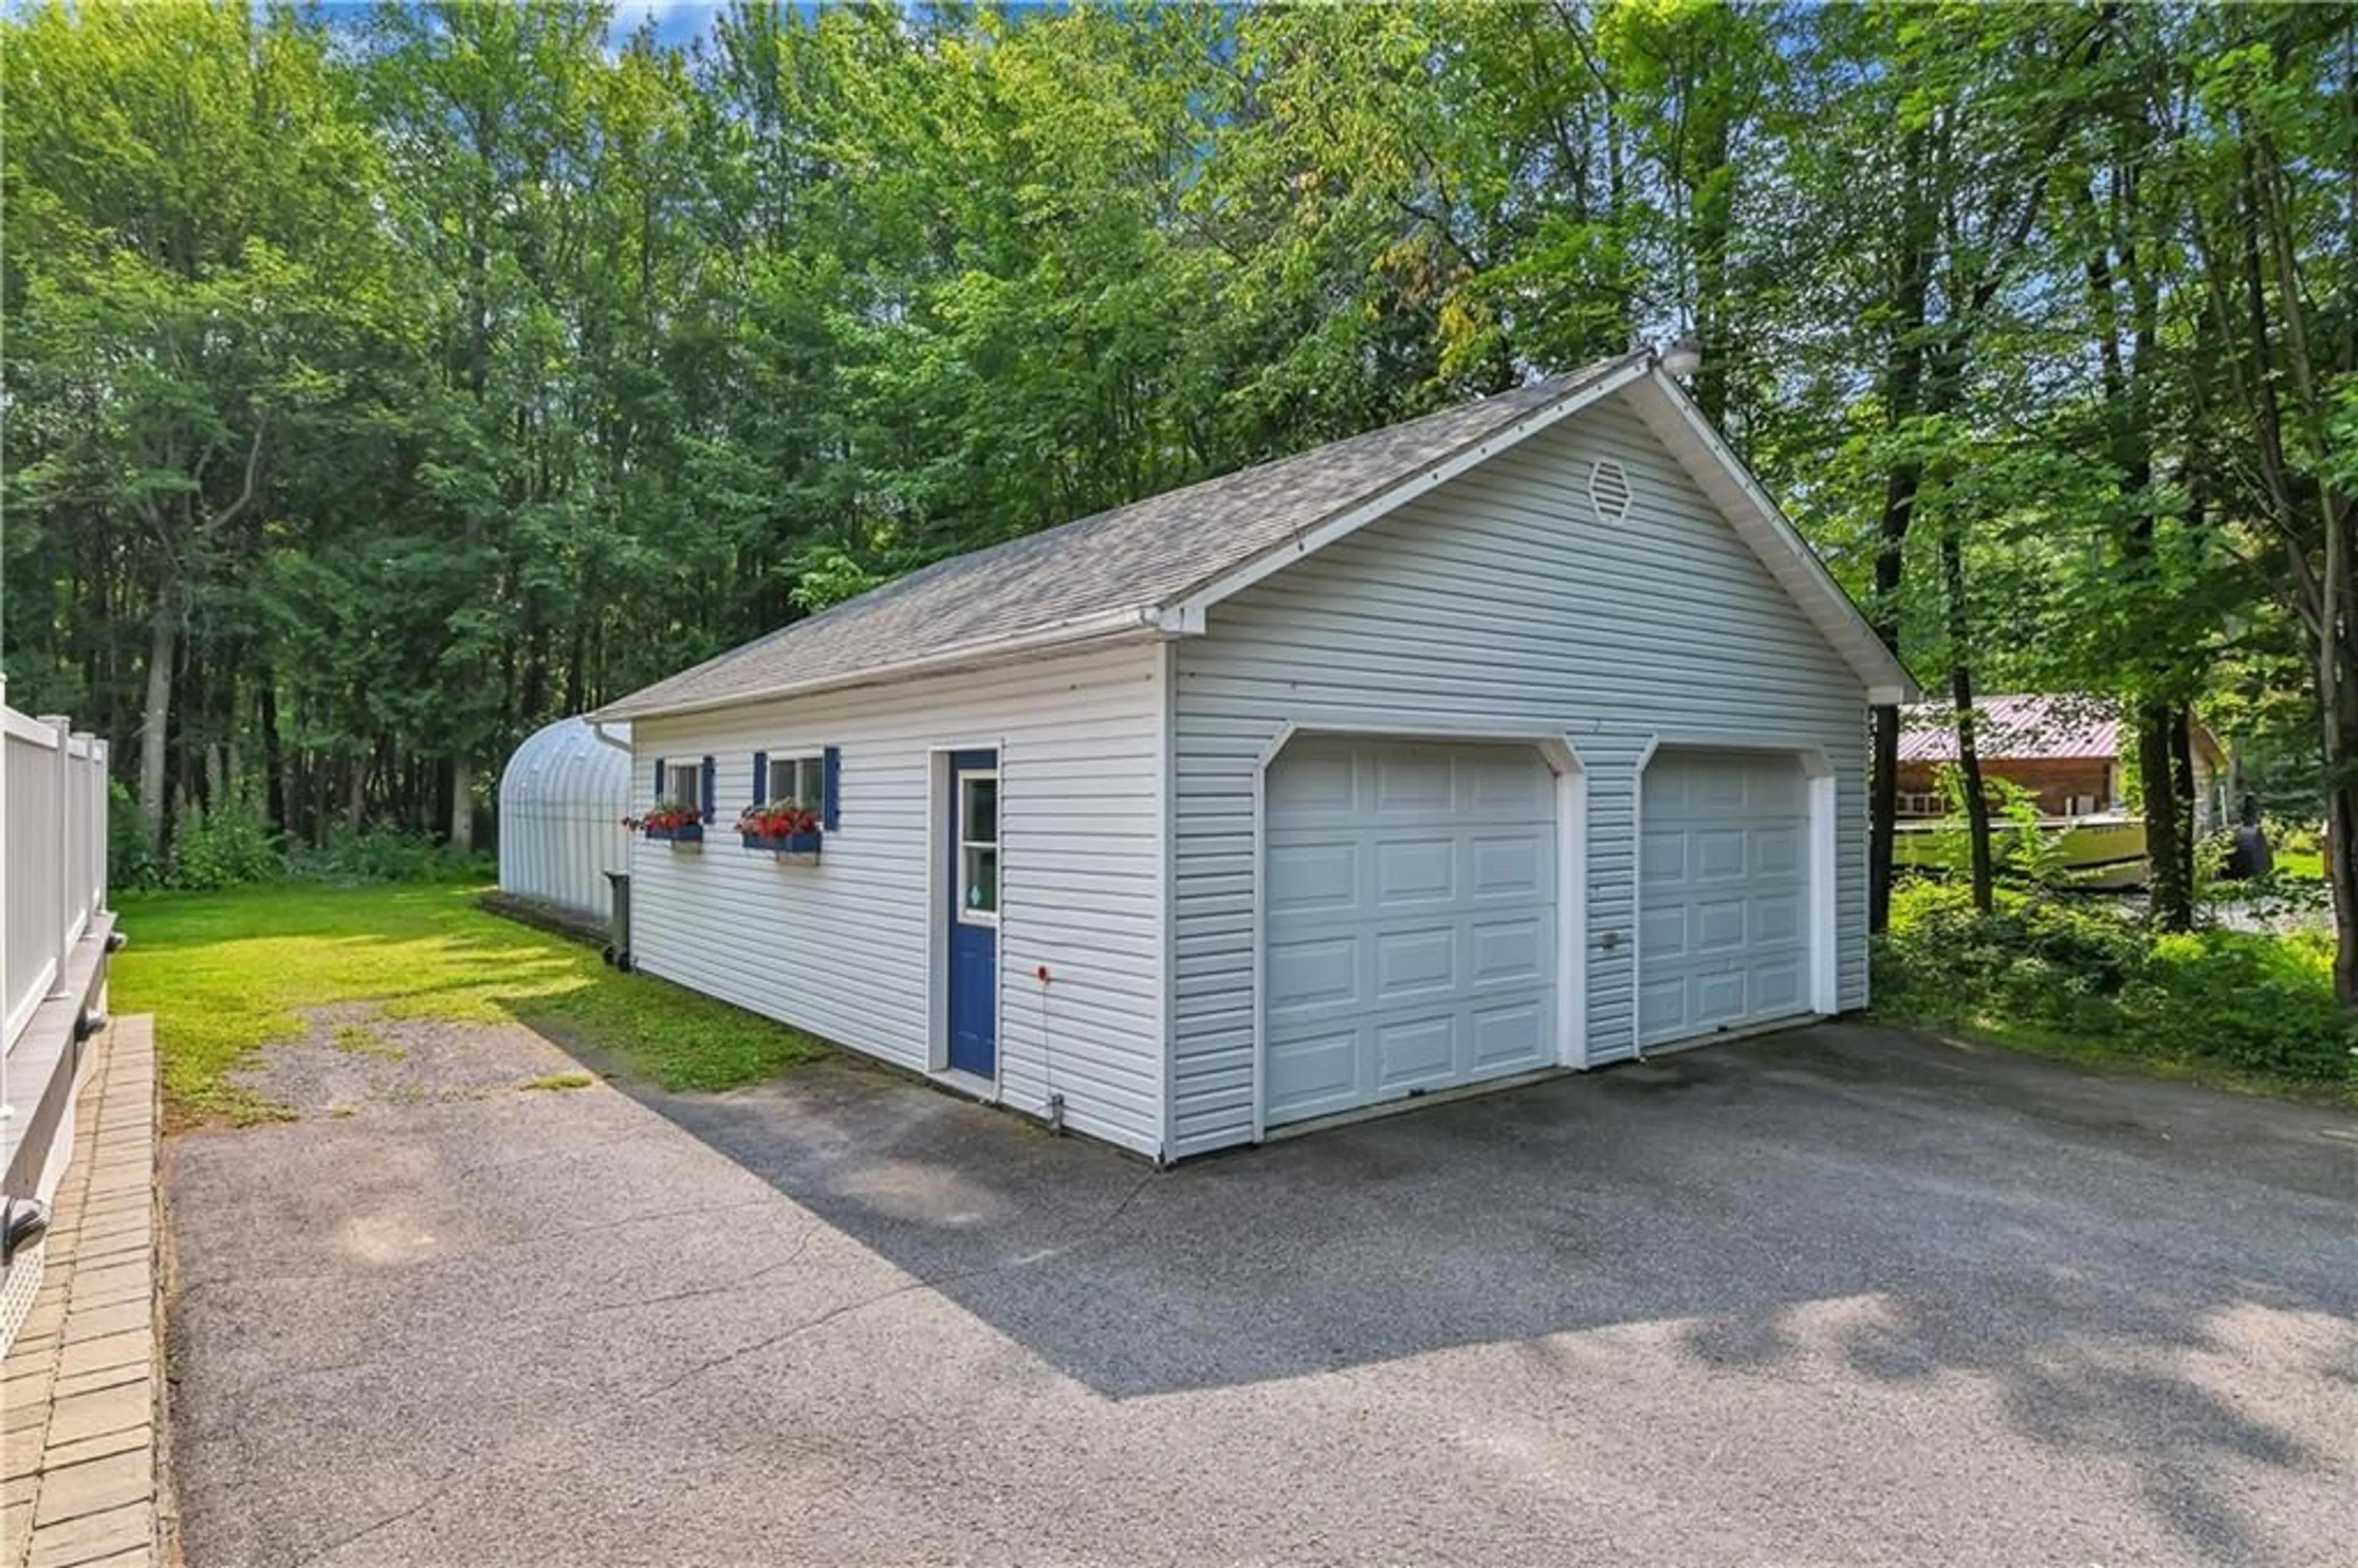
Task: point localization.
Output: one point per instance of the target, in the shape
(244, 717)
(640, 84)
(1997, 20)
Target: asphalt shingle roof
(1146, 555)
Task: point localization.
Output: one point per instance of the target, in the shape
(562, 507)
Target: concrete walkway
(84, 1375)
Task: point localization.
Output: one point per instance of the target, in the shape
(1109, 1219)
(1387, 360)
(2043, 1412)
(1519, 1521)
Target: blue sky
(677, 21)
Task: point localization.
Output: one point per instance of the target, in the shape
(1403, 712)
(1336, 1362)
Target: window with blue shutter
(803, 777)
(760, 777)
(830, 795)
(685, 784)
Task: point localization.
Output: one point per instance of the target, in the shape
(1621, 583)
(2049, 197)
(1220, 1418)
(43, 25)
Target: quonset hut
(562, 800)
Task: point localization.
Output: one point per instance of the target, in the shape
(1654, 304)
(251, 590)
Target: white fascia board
(1887, 679)
(1133, 623)
(1185, 617)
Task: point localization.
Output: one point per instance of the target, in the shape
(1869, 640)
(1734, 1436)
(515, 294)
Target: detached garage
(1521, 737)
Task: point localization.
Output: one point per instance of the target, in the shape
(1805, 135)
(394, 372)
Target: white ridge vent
(1608, 489)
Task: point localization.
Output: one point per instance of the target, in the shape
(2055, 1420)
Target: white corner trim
(1645, 759)
(1851, 634)
(1572, 907)
(1825, 908)
(1268, 754)
(1189, 611)
(999, 936)
(938, 784)
(1166, 913)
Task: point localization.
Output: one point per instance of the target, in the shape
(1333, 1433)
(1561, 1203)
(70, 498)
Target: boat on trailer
(2099, 850)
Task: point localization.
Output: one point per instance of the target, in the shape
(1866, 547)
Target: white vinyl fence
(52, 857)
(54, 933)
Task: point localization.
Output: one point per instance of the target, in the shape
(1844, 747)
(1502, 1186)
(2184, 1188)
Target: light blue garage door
(1411, 921)
(1723, 932)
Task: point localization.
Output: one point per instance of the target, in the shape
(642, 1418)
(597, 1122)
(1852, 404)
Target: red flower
(777, 819)
(666, 816)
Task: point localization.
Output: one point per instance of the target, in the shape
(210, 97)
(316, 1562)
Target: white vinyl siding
(1500, 600)
(844, 948)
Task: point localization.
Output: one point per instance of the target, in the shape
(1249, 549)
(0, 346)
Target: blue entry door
(973, 913)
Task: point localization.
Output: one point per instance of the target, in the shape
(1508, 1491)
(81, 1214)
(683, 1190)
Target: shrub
(2293, 838)
(387, 855)
(232, 845)
(222, 848)
(2044, 969)
(128, 863)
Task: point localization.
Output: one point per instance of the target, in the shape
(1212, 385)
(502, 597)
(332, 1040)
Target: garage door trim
(1562, 759)
(1819, 775)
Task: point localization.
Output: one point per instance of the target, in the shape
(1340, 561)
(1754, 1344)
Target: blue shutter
(659, 781)
(830, 806)
(705, 774)
(760, 777)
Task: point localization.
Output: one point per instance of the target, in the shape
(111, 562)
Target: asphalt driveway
(1828, 1297)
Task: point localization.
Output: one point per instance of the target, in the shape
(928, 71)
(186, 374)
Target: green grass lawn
(224, 974)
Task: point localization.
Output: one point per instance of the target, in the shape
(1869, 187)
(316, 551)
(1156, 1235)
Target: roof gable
(1152, 567)
(1707, 458)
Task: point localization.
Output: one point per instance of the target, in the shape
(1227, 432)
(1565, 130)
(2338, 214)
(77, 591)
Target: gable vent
(1608, 489)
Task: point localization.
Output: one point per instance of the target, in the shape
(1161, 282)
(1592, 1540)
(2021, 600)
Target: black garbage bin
(618, 927)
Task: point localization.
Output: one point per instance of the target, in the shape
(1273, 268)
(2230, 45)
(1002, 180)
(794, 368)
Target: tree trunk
(1961, 692)
(2341, 834)
(462, 804)
(1883, 800)
(2185, 821)
(274, 761)
(1977, 812)
(155, 720)
(356, 794)
(2170, 886)
(1882, 815)
(1903, 385)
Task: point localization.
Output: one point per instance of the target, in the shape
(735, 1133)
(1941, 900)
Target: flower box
(669, 823)
(785, 828)
(803, 843)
